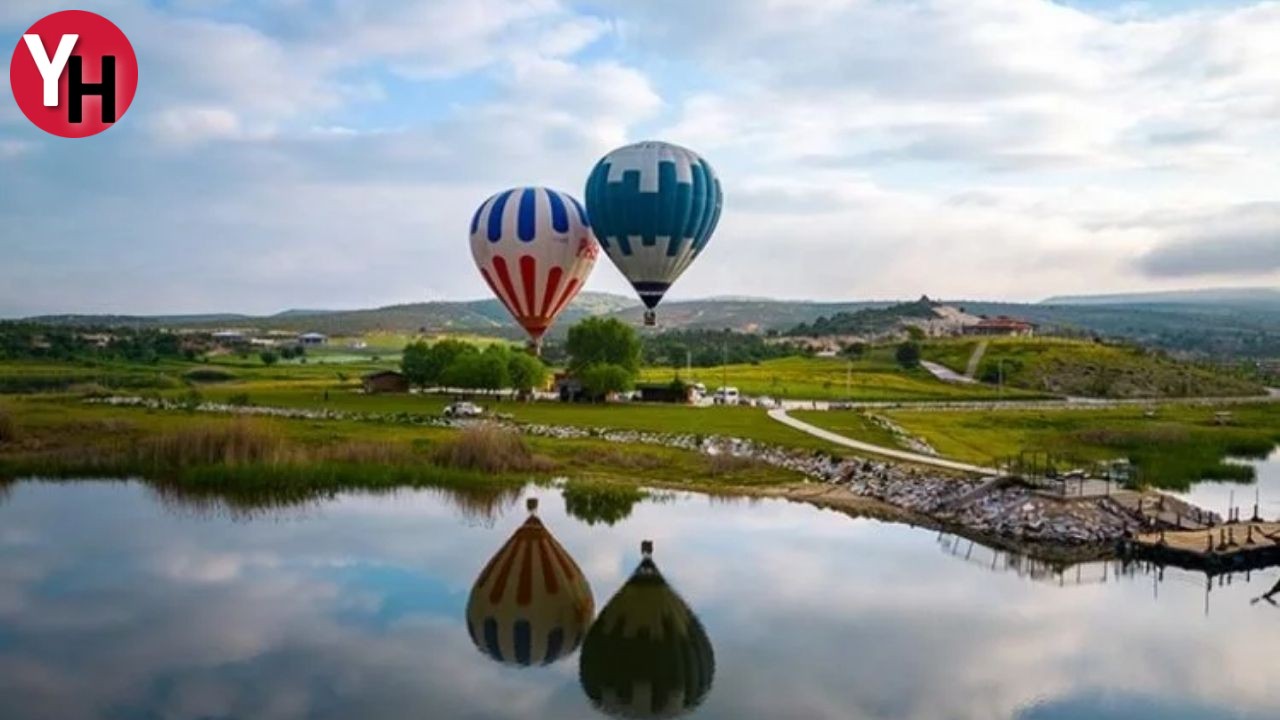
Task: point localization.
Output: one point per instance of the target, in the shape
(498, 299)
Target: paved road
(946, 374)
(781, 416)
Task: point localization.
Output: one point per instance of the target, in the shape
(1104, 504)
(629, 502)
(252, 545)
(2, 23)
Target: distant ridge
(1207, 296)
(1232, 322)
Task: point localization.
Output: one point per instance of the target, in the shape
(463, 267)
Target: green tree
(602, 379)
(908, 354)
(414, 362)
(425, 364)
(603, 341)
(527, 372)
(477, 371)
(269, 357)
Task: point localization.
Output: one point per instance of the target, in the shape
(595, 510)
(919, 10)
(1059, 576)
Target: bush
(908, 354)
(492, 449)
(601, 380)
(209, 375)
(269, 357)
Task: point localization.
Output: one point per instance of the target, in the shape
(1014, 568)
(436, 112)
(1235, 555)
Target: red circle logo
(73, 73)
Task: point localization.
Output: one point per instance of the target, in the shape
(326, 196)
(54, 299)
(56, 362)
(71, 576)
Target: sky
(291, 154)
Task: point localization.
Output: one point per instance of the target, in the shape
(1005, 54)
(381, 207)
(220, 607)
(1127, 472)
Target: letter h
(78, 89)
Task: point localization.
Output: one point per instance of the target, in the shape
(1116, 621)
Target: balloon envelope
(531, 604)
(647, 655)
(654, 206)
(535, 249)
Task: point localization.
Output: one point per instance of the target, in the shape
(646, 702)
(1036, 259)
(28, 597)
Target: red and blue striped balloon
(534, 247)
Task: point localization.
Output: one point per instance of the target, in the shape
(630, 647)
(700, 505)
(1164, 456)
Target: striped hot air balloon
(654, 206)
(535, 249)
(531, 604)
(647, 655)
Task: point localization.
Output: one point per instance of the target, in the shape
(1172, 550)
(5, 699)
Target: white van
(725, 396)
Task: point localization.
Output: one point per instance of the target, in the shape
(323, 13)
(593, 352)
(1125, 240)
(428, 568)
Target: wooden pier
(1229, 547)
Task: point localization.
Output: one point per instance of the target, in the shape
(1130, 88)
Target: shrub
(492, 449)
(209, 375)
(908, 354)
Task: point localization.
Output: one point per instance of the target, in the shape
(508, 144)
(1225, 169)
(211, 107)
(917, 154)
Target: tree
(425, 364)
(477, 371)
(527, 372)
(414, 362)
(603, 341)
(915, 333)
(908, 354)
(269, 357)
(602, 379)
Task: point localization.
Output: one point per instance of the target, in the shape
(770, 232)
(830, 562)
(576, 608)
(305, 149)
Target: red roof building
(1002, 325)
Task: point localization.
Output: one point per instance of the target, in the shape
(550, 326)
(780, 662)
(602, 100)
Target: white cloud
(976, 148)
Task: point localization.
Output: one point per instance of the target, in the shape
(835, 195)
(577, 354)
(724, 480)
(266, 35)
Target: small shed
(386, 381)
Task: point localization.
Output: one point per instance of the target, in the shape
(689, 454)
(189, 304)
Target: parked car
(463, 410)
(726, 396)
(765, 401)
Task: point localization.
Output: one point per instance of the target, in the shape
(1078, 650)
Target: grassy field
(56, 435)
(1085, 368)
(868, 379)
(1172, 446)
(852, 424)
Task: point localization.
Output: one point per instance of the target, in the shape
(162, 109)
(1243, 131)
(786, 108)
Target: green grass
(872, 379)
(1174, 448)
(1085, 368)
(851, 424)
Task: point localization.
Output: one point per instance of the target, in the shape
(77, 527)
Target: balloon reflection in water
(647, 655)
(531, 604)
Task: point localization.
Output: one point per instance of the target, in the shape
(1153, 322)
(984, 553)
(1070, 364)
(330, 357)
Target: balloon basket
(650, 318)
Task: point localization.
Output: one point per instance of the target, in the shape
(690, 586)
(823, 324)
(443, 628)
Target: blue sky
(329, 154)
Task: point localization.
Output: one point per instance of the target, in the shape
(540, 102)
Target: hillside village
(924, 318)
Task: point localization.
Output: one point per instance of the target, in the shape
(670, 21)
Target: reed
(8, 426)
(492, 449)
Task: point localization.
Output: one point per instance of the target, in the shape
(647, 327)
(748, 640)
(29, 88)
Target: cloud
(1242, 242)
(287, 154)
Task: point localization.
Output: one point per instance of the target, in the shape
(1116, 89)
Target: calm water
(1218, 496)
(115, 603)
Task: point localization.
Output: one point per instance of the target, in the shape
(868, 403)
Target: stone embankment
(1002, 508)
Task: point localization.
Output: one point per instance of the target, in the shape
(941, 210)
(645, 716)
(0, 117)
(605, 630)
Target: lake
(1265, 489)
(117, 602)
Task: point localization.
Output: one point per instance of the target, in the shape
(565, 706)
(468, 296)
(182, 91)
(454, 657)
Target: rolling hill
(1209, 323)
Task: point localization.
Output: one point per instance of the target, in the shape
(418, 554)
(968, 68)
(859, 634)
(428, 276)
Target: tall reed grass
(8, 426)
(490, 448)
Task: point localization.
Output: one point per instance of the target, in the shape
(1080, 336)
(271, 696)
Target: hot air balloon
(647, 655)
(654, 206)
(535, 249)
(531, 604)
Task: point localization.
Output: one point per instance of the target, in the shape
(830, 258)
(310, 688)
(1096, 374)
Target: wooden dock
(1224, 548)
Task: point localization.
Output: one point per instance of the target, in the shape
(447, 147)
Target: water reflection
(480, 505)
(531, 603)
(114, 607)
(647, 655)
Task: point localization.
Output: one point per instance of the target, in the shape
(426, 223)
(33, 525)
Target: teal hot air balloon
(646, 655)
(653, 206)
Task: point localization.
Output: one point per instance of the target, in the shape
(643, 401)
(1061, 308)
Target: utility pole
(724, 365)
(1000, 374)
(848, 381)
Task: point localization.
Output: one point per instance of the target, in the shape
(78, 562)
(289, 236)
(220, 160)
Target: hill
(1218, 324)
(1240, 297)
(1086, 369)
